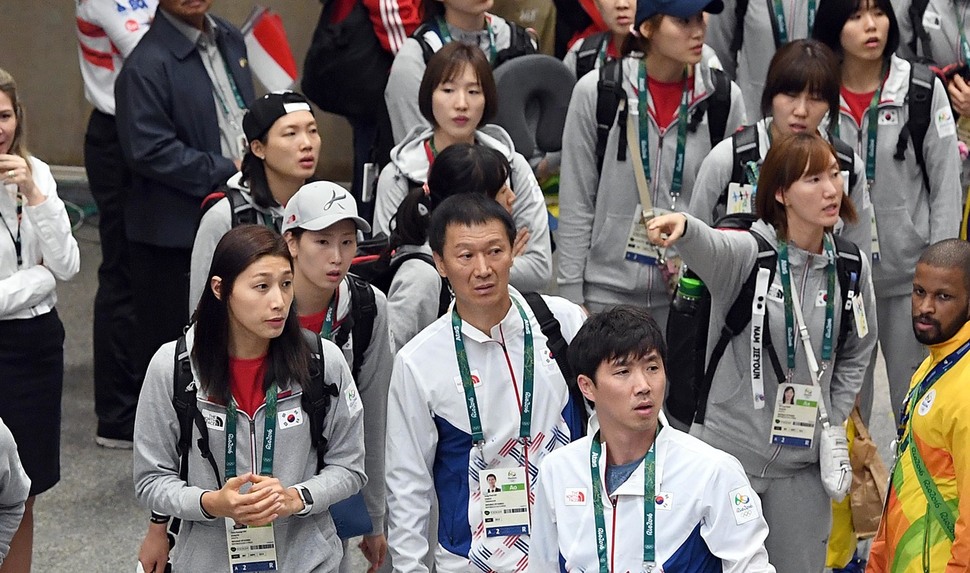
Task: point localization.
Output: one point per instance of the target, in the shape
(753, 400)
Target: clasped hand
(264, 502)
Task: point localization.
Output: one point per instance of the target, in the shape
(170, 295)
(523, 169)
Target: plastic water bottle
(690, 289)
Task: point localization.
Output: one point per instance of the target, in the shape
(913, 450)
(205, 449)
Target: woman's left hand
(14, 170)
(292, 502)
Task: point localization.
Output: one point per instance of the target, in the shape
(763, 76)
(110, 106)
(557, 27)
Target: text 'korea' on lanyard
(468, 384)
(790, 336)
(269, 435)
(649, 506)
(644, 123)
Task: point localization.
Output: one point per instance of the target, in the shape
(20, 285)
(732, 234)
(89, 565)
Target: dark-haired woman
(250, 362)
(801, 90)
(413, 297)
(445, 22)
(457, 97)
(913, 205)
(666, 134)
(799, 201)
(284, 145)
(36, 250)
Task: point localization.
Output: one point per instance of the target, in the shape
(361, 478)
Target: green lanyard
(872, 133)
(492, 50)
(964, 44)
(528, 382)
(785, 271)
(678, 180)
(326, 331)
(269, 435)
(649, 506)
(783, 27)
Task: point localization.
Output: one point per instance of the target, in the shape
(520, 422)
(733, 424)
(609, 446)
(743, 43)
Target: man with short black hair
(477, 393)
(674, 503)
(924, 524)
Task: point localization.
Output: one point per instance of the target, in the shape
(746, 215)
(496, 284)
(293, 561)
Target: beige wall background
(38, 45)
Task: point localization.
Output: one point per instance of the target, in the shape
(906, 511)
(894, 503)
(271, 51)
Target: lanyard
(445, 35)
(783, 27)
(326, 331)
(431, 151)
(269, 435)
(785, 271)
(642, 91)
(872, 133)
(649, 506)
(964, 44)
(232, 85)
(528, 374)
(17, 243)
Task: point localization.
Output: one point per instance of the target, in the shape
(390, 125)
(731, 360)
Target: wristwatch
(307, 500)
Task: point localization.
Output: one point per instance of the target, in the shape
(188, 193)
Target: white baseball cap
(319, 205)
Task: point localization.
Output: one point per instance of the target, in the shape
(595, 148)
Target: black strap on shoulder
(242, 211)
(744, 146)
(363, 310)
(846, 156)
(774, 24)
(719, 106)
(915, 13)
(588, 51)
(847, 263)
(444, 295)
(740, 11)
(552, 330)
(317, 396)
(610, 98)
(737, 319)
(920, 103)
(187, 413)
(520, 44)
(426, 51)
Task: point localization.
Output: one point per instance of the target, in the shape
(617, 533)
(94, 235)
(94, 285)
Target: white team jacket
(429, 450)
(707, 516)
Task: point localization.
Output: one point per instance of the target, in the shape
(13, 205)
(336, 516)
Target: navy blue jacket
(169, 130)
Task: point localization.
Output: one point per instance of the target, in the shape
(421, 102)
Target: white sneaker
(113, 443)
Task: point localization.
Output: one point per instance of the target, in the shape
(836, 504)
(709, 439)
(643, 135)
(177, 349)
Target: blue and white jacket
(429, 450)
(708, 519)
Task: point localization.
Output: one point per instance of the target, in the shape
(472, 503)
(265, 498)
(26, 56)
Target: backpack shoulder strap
(588, 51)
(243, 212)
(317, 396)
(422, 36)
(846, 156)
(444, 295)
(920, 102)
(520, 44)
(744, 146)
(552, 330)
(719, 107)
(610, 97)
(740, 11)
(915, 12)
(848, 267)
(363, 308)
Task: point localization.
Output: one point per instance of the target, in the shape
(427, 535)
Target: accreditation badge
(505, 501)
(739, 199)
(639, 249)
(796, 411)
(251, 549)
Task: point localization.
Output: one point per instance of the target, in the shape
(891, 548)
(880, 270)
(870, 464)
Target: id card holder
(251, 549)
(505, 501)
(739, 199)
(796, 411)
(859, 314)
(639, 249)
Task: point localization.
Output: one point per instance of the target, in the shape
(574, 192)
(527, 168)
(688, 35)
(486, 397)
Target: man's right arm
(409, 451)
(149, 138)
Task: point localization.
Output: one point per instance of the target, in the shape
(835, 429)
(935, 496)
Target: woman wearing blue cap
(670, 113)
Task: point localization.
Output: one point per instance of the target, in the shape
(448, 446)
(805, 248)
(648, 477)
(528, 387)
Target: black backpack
(520, 44)
(915, 14)
(241, 210)
(346, 67)
(689, 372)
(587, 53)
(919, 102)
(358, 325)
(379, 271)
(611, 102)
(559, 348)
(315, 401)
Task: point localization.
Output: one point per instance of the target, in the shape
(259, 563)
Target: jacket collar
(509, 326)
(939, 351)
(180, 38)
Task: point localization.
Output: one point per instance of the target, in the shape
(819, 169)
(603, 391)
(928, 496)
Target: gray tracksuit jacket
(596, 211)
(723, 260)
(412, 300)
(909, 217)
(14, 487)
(303, 543)
(715, 175)
(401, 93)
(532, 270)
(941, 24)
(749, 65)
